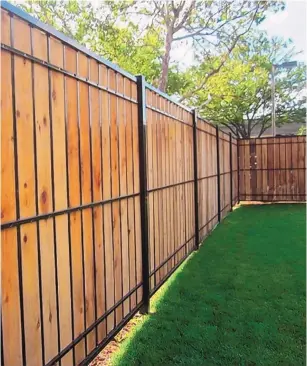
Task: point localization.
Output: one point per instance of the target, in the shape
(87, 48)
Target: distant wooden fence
(107, 186)
(273, 169)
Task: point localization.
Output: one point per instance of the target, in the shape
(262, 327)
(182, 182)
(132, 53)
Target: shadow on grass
(240, 300)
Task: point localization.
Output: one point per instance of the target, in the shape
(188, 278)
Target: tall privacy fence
(107, 187)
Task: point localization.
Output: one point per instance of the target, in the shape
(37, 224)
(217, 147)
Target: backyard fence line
(108, 185)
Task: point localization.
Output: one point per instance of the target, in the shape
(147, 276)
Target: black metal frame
(168, 115)
(31, 219)
(271, 137)
(238, 171)
(65, 72)
(218, 174)
(143, 189)
(272, 169)
(94, 325)
(207, 132)
(230, 159)
(196, 217)
(165, 278)
(169, 186)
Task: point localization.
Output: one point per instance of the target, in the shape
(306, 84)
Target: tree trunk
(166, 59)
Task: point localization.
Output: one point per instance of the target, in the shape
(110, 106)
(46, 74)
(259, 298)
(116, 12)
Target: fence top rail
(207, 122)
(166, 96)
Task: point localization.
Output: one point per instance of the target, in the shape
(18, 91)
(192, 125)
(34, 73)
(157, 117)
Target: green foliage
(230, 84)
(239, 95)
(239, 300)
(132, 33)
(103, 28)
(302, 131)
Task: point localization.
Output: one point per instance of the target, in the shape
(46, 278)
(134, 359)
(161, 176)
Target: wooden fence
(273, 169)
(99, 185)
(107, 186)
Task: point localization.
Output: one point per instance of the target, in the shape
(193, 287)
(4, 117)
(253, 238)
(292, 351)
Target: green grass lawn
(240, 300)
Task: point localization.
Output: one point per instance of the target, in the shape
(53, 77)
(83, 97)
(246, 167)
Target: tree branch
(224, 59)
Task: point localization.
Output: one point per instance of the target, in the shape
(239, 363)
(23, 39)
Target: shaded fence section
(107, 186)
(170, 185)
(273, 169)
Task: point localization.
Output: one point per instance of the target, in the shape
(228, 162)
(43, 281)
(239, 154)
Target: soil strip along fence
(107, 186)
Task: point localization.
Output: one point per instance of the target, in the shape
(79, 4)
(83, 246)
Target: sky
(291, 23)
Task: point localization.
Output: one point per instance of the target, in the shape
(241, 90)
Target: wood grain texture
(11, 317)
(70, 151)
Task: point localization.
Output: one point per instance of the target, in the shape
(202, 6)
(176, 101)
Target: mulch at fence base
(105, 355)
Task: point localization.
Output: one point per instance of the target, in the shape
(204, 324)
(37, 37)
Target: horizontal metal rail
(166, 96)
(111, 335)
(214, 175)
(206, 132)
(91, 327)
(273, 194)
(221, 138)
(207, 223)
(213, 134)
(272, 143)
(65, 72)
(269, 169)
(171, 256)
(168, 115)
(224, 173)
(224, 208)
(207, 177)
(169, 186)
(31, 219)
(156, 288)
(269, 137)
(205, 121)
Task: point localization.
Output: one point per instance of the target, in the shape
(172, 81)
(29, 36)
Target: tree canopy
(239, 96)
(229, 79)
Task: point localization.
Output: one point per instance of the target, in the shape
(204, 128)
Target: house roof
(285, 130)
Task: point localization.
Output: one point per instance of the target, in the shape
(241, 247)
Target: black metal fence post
(238, 168)
(218, 175)
(195, 179)
(230, 157)
(141, 95)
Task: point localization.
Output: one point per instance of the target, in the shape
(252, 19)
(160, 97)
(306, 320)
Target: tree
(139, 35)
(104, 29)
(239, 96)
(212, 27)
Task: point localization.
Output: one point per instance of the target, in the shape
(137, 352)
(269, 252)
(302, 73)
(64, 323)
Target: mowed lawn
(240, 300)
